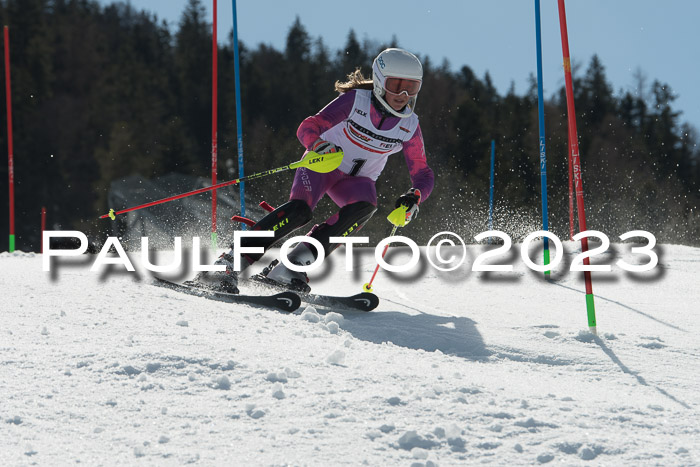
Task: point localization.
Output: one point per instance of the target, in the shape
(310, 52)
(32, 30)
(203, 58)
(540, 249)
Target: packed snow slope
(452, 368)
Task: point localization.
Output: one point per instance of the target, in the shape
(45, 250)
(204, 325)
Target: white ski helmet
(397, 71)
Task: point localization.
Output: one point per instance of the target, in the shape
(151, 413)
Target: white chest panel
(367, 148)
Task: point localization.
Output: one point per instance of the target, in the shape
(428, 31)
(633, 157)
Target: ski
(364, 301)
(285, 301)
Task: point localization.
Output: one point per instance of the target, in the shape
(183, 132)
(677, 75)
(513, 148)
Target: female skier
(369, 121)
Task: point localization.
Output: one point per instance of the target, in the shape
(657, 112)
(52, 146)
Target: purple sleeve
(421, 175)
(332, 114)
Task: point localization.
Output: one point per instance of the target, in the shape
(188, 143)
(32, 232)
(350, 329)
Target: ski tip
(287, 301)
(367, 301)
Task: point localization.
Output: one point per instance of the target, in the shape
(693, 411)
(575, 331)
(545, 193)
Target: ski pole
(313, 161)
(397, 219)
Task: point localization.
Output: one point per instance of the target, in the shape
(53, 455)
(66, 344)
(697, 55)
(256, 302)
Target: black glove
(322, 146)
(410, 199)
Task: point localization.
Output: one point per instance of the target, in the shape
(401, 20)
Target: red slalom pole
(572, 228)
(368, 286)
(214, 150)
(10, 155)
(576, 162)
(43, 226)
(397, 219)
(113, 213)
(313, 161)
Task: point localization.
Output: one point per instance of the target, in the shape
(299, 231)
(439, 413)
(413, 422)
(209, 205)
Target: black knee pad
(351, 218)
(282, 221)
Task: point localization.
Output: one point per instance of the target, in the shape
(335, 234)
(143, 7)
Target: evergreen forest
(100, 93)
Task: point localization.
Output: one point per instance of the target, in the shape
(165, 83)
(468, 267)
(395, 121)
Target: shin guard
(350, 219)
(282, 221)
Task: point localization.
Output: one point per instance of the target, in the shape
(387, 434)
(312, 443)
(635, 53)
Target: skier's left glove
(410, 199)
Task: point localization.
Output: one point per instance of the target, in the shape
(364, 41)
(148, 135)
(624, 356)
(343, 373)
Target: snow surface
(453, 368)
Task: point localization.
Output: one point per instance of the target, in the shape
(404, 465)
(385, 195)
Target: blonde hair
(355, 80)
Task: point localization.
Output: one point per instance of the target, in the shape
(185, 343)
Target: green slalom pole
(590, 308)
(12, 243)
(214, 244)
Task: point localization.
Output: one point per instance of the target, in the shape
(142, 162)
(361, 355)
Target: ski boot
(278, 275)
(218, 281)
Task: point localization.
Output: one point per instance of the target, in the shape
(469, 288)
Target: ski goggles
(400, 85)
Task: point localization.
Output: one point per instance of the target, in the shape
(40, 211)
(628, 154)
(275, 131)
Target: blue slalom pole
(239, 126)
(493, 159)
(543, 155)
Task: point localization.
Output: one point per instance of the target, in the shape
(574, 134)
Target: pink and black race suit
(368, 138)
